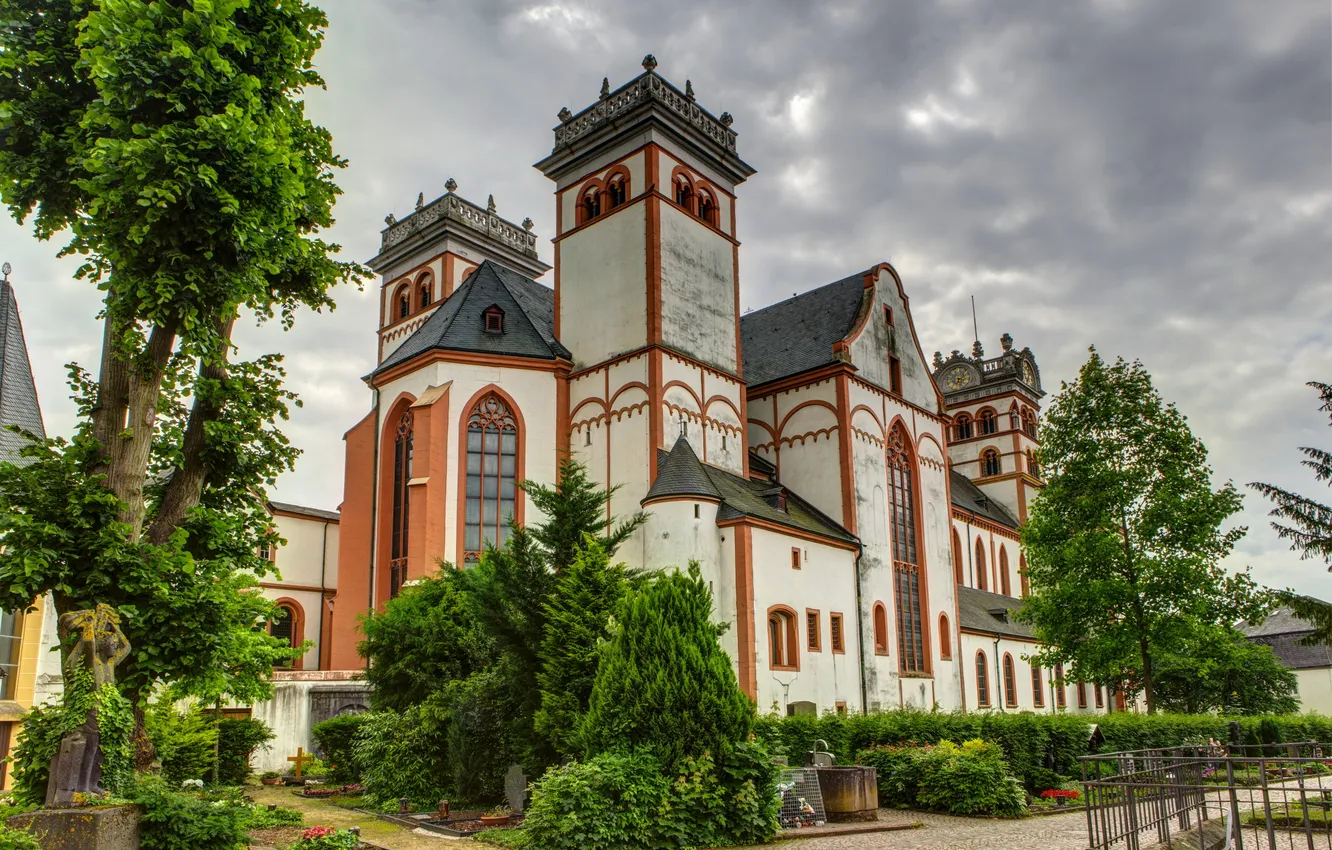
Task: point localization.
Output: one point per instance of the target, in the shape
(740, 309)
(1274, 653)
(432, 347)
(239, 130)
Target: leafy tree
(423, 638)
(576, 508)
(1124, 543)
(168, 141)
(1307, 524)
(578, 618)
(1218, 669)
(664, 684)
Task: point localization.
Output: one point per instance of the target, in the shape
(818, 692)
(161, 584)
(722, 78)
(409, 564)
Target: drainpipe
(374, 507)
(860, 631)
(998, 674)
(323, 603)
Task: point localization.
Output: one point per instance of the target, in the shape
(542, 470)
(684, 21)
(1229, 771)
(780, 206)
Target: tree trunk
(144, 751)
(1148, 689)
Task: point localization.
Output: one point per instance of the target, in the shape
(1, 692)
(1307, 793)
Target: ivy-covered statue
(95, 645)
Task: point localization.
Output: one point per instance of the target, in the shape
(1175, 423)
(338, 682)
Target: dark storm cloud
(1154, 178)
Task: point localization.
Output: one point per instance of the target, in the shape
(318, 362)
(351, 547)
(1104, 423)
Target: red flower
(1059, 792)
(317, 832)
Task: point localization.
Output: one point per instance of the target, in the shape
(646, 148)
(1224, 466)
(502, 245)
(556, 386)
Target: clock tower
(993, 404)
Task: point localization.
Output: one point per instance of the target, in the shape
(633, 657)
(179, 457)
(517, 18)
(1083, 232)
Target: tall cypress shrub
(664, 684)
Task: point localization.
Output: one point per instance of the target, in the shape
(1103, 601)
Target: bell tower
(647, 278)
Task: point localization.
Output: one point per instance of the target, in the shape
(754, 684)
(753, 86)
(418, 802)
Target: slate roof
(739, 496)
(967, 495)
(457, 324)
(313, 513)
(18, 393)
(1285, 633)
(974, 607)
(797, 334)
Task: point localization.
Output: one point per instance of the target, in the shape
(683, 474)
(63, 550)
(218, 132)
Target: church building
(854, 505)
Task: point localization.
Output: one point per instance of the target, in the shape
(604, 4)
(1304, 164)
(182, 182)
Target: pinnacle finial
(565, 115)
(649, 62)
(605, 87)
(689, 89)
(420, 199)
(528, 224)
(390, 219)
(6, 269)
(1006, 341)
(490, 204)
(938, 359)
(977, 350)
(726, 119)
(450, 185)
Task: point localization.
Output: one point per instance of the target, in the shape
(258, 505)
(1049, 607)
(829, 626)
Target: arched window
(1037, 687)
(589, 205)
(1033, 466)
(492, 475)
(707, 208)
(282, 626)
(982, 580)
(880, 629)
(989, 423)
(1029, 422)
(1022, 575)
(684, 192)
(401, 517)
(783, 646)
(982, 680)
(617, 190)
(403, 302)
(1100, 696)
(1082, 694)
(1005, 583)
(425, 291)
(959, 576)
(962, 427)
(1060, 699)
(990, 463)
(906, 561)
(945, 639)
(1010, 682)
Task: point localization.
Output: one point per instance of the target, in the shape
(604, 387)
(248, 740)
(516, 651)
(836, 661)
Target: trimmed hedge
(1032, 743)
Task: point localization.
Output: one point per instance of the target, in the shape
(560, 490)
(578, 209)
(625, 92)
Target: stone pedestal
(102, 828)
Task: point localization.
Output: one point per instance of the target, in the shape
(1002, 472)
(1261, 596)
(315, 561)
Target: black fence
(1239, 797)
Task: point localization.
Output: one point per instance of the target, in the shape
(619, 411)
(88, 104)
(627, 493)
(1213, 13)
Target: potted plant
(270, 777)
(497, 816)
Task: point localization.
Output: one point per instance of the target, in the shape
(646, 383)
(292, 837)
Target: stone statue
(96, 644)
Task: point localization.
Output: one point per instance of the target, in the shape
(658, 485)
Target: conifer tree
(664, 684)
(578, 618)
(1307, 524)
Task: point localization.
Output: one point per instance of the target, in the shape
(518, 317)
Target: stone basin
(850, 793)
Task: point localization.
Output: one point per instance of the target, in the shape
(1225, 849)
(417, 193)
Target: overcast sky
(1153, 177)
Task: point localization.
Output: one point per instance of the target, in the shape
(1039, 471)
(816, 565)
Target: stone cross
(515, 788)
(300, 759)
(684, 425)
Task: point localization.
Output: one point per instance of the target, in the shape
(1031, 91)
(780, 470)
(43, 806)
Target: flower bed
(1056, 799)
(319, 792)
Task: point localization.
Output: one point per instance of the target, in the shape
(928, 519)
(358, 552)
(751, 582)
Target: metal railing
(1239, 797)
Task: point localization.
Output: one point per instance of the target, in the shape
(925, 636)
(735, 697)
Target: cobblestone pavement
(944, 832)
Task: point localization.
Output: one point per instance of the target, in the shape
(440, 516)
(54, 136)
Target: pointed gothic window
(782, 646)
(989, 423)
(1037, 687)
(990, 464)
(945, 639)
(1005, 582)
(958, 576)
(1022, 576)
(906, 560)
(962, 427)
(982, 581)
(1010, 682)
(880, 629)
(982, 680)
(492, 475)
(401, 517)
(1060, 699)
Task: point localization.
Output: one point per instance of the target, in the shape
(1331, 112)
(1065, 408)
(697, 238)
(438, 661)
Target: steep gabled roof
(967, 495)
(1285, 633)
(18, 392)
(457, 324)
(680, 473)
(313, 513)
(798, 334)
(991, 613)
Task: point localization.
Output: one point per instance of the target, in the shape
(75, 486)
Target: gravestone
(801, 799)
(515, 788)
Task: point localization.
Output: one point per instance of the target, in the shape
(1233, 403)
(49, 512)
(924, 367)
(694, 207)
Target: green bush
(183, 741)
(173, 820)
(237, 739)
(335, 740)
(38, 742)
(480, 740)
(326, 838)
(17, 839)
(971, 779)
(404, 755)
(616, 801)
(262, 817)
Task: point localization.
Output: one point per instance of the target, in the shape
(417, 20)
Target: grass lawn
(324, 813)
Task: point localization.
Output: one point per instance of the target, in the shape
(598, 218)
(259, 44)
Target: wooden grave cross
(300, 759)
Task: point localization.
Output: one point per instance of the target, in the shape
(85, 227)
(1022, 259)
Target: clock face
(1028, 374)
(957, 379)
